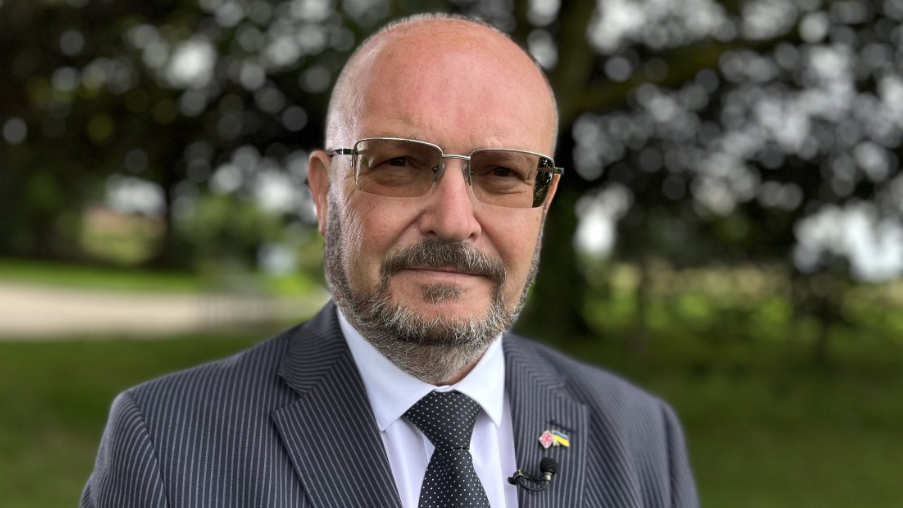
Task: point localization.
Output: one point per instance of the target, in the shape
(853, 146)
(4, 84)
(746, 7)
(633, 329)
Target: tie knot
(445, 418)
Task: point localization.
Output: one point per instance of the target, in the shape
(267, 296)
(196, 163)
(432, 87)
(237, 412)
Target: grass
(105, 278)
(132, 280)
(54, 398)
(765, 427)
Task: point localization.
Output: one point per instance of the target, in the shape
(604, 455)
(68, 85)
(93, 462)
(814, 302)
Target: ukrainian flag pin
(560, 439)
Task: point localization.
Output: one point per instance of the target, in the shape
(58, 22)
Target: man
(431, 195)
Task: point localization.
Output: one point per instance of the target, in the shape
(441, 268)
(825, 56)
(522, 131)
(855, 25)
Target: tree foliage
(742, 131)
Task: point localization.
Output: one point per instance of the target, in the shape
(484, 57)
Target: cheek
(351, 238)
(359, 252)
(516, 240)
(374, 230)
(367, 257)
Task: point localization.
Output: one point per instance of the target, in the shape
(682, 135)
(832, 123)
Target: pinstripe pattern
(288, 424)
(330, 432)
(627, 448)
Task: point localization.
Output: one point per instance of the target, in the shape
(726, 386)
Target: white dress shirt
(392, 392)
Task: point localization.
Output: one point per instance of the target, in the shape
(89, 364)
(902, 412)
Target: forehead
(462, 87)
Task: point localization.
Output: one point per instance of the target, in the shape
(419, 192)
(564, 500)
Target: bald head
(436, 59)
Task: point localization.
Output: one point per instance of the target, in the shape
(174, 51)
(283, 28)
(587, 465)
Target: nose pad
(465, 171)
(465, 168)
(439, 170)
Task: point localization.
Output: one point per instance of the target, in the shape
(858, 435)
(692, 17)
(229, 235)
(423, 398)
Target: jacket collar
(329, 432)
(333, 441)
(540, 403)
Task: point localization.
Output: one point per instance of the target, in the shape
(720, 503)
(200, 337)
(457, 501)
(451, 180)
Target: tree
(736, 125)
(729, 130)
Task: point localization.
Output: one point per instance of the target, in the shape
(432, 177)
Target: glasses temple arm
(340, 151)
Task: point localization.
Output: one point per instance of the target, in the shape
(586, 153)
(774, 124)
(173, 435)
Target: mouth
(444, 270)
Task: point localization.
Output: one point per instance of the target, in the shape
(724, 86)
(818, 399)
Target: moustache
(432, 253)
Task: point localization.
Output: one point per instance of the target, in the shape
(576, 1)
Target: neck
(435, 365)
(456, 378)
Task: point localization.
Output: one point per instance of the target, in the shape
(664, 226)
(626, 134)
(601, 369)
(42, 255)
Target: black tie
(447, 419)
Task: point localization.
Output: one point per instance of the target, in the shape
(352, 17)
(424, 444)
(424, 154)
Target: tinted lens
(510, 178)
(399, 168)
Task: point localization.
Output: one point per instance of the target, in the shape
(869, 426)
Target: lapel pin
(551, 438)
(560, 439)
(546, 439)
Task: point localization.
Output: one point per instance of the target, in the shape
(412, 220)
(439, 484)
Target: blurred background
(728, 232)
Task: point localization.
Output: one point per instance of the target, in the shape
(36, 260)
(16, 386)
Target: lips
(445, 269)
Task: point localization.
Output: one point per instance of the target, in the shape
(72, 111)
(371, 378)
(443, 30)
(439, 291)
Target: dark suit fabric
(288, 424)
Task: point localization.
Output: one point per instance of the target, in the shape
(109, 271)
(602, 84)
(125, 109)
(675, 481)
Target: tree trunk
(555, 309)
(174, 253)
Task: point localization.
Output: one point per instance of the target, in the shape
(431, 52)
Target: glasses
(408, 168)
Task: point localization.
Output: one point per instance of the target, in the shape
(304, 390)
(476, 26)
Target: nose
(450, 207)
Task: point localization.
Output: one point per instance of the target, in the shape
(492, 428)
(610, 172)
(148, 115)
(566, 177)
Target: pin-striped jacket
(288, 424)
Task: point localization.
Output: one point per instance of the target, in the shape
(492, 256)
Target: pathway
(52, 312)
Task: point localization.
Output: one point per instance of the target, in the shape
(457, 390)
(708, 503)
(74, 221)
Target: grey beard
(432, 350)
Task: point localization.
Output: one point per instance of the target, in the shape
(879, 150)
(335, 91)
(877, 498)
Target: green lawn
(769, 429)
(107, 278)
(132, 280)
(54, 398)
(766, 429)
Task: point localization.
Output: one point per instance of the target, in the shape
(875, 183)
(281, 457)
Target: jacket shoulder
(247, 374)
(633, 435)
(586, 383)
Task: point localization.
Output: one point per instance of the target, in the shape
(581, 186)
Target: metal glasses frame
(546, 163)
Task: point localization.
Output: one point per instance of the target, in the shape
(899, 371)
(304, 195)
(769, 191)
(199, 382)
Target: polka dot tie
(446, 419)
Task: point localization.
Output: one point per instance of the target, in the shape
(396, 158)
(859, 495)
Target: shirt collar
(392, 391)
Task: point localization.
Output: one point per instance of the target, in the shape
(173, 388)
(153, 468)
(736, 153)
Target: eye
(398, 161)
(504, 173)
(498, 172)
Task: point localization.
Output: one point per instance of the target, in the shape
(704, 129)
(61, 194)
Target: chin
(431, 332)
(445, 313)
(444, 302)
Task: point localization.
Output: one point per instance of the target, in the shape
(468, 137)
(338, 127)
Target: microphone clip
(528, 482)
(547, 465)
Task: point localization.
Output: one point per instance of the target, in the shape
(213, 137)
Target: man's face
(451, 258)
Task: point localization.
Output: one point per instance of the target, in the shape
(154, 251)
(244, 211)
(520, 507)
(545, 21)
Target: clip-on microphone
(547, 466)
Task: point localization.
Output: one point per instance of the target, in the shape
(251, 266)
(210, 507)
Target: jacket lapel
(329, 432)
(539, 403)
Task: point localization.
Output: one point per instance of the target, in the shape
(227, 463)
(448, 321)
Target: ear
(318, 179)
